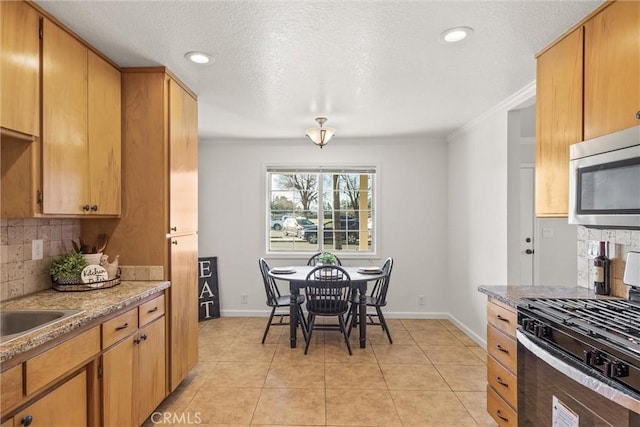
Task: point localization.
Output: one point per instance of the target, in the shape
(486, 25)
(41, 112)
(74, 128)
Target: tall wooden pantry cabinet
(159, 221)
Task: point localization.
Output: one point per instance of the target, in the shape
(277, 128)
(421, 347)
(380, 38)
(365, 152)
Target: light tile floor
(432, 375)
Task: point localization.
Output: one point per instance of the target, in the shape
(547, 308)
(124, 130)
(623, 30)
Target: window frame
(372, 170)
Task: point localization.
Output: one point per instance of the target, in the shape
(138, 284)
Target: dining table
(297, 278)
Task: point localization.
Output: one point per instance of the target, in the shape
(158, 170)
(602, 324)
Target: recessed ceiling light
(199, 57)
(454, 35)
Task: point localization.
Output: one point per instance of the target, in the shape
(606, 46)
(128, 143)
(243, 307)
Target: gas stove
(602, 334)
(579, 359)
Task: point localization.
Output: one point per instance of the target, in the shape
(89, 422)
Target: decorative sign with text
(208, 299)
(93, 274)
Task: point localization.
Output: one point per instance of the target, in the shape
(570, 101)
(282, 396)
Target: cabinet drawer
(502, 317)
(11, 387)
(151, 310)
(502, 348)
(502, 381)
(119, 327)
(54, 363)
(499, 410)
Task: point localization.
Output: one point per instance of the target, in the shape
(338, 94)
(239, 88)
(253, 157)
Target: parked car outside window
(350, 230)
(295, 226)
(346, 196)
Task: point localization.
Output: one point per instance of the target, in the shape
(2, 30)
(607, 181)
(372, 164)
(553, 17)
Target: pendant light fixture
(321, 135)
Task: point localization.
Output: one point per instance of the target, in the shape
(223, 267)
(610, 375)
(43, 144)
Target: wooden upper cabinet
(558, 121)
(105, 136)
(20, 68)
(81, 159)
(183, 161)
(64, 101)
(612, 69)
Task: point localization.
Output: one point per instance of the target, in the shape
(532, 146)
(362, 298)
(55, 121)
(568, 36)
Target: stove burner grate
(614, 320)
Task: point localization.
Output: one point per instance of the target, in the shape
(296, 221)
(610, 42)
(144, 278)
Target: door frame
(534, 231)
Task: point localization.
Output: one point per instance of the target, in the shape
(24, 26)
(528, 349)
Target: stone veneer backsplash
(21, 275)
(621, 242)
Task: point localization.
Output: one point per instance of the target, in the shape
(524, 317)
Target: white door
(526, 225)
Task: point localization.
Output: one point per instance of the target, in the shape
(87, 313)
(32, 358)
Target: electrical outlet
(37, 251)
(421, 299)
(244, 299)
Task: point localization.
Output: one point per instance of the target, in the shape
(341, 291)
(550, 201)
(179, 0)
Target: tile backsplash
(621, 242)
(21, 275)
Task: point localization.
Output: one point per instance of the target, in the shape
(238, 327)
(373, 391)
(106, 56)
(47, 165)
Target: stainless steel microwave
(604, 180)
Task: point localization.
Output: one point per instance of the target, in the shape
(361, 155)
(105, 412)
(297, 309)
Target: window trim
(373, 169)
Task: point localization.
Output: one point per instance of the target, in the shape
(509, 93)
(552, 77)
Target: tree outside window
(311, 211)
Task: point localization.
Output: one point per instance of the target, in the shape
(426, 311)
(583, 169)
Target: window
(311, 210)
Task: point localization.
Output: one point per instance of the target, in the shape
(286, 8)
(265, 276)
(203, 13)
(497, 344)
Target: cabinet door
(612, 69)
(558, 122)
(183, 161)
(20, 68)
(183, 295)
(117, 384)
(104, 135)
(151, 369)
(64, 406)
(64, 101)
(11, 386)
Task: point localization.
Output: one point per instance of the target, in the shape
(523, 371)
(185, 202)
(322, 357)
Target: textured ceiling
(374, 68)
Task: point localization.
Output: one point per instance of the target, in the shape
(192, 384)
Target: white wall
(478, 210)
(556, 252)
(514, 129)
(555, 257)
(412, 215)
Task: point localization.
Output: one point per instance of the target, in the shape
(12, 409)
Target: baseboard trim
(389, 315)
(415, 315)
(468, 332)
(245, 313)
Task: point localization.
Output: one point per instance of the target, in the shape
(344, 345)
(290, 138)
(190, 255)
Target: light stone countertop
(93, 304)
(511, 295)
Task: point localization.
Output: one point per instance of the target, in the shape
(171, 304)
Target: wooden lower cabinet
(11, 386)
(113, 374)
(502, 383)
(117, 384)
(501, 412)
(64, 406)
(46, 368)
(150, 367)
(134, 376)
(184, 319)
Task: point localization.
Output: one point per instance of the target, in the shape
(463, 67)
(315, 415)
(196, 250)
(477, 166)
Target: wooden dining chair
(376, 299)
(328, 290)
(276, 301)
(314, 259)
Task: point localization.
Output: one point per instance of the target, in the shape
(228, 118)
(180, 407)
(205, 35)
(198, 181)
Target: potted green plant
(327, 258)
(67, 268)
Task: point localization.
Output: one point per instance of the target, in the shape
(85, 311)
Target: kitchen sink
(15, 323)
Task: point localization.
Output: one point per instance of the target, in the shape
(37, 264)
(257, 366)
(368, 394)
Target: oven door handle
(603, 389)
